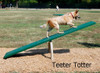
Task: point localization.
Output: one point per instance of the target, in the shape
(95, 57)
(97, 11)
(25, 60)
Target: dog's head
(75, 14)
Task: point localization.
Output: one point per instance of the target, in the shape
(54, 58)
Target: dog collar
(72, 15)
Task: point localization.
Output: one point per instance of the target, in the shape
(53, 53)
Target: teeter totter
(58, 14)
(44, 40)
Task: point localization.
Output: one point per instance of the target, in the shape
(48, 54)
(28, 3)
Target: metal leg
(50, 47)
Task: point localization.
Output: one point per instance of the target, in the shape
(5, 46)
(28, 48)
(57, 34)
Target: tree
(17, 3)
(52, 3)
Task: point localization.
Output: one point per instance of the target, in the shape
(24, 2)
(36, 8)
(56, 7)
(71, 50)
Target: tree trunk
(17, 3)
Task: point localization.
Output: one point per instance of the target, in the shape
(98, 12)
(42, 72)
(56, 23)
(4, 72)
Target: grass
(21, 27)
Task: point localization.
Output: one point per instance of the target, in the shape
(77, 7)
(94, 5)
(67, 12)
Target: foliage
(53, 3)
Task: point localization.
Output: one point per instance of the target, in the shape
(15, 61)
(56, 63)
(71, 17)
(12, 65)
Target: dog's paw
(47, 36)
(60, 32)
(74, 26)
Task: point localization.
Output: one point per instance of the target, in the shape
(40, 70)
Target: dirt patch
(38, 60)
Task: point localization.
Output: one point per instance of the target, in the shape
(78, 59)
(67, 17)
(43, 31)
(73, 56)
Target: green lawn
(21, 27)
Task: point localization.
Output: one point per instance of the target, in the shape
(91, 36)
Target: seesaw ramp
(44, 40)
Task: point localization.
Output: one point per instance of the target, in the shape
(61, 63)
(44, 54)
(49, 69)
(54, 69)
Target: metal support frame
(50, 48)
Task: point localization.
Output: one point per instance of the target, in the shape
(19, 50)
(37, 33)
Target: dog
(66, 19)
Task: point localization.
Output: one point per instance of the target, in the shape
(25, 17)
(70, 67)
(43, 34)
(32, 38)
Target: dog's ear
(76, 11)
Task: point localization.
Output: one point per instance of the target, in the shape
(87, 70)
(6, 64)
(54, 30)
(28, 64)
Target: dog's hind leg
(72, 25)
(57, 28)
(49, 29)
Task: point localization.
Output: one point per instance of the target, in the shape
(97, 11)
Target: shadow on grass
(41, 51)
(89, 45)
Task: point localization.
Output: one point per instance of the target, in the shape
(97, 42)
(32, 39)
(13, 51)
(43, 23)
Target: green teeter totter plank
(44, 40)
(58, 14)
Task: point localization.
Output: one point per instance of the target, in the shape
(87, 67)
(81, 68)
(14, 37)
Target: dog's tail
(43, 26)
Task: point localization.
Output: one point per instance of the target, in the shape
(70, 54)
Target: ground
(38, 60)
